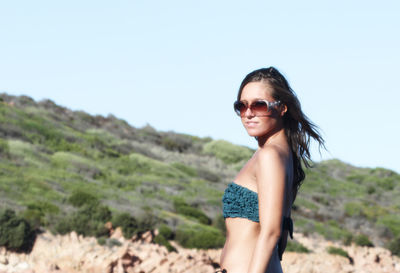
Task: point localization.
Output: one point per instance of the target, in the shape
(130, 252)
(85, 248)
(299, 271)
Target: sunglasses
(259, 108)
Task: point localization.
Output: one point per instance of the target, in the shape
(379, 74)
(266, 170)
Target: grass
(227, 152)
(337, 251)
(331, 230)
(302, 202)
(392, 222)
(293, 246)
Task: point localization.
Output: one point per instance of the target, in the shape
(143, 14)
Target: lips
(251, 124)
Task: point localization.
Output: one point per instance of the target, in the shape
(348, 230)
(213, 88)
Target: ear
(283, 110)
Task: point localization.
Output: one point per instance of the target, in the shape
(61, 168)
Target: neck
(271, 137)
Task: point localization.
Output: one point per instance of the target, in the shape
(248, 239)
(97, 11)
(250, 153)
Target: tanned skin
(250, 246)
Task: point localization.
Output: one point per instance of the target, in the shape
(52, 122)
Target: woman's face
(258, 126)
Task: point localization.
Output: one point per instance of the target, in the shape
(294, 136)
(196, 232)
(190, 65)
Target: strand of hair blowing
(298, 128)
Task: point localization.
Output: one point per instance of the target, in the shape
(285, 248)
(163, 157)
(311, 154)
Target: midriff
(241, 238)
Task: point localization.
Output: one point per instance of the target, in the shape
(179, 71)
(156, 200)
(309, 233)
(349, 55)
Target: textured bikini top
(239, 201)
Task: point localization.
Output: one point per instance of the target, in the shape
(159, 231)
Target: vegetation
(109, 242)
(165, 234)
(394, 246)
(161, 240)
(294, 246)
(183, 208)
(132, 225)
(199, 236)
(80, 198)
(66, 170)
(363, 240)
(338, 251)
(15, 232)
(89, 220)
(227, 152)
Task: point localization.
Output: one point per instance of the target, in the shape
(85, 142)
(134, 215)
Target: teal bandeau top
(239, 201)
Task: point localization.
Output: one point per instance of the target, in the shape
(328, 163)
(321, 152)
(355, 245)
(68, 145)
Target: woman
(257, 204)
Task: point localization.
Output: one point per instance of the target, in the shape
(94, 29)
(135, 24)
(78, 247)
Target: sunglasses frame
(268, 103)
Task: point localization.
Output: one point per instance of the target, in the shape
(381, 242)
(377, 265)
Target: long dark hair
(298, 128)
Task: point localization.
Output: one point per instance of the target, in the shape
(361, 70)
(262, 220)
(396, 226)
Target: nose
(248, 112)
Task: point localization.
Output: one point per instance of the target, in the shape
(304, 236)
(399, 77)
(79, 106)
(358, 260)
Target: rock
(3, 260)
(54, 267)
(117, 234)
(147, 237)
(22, 266)
(109, 226)
(74, 254)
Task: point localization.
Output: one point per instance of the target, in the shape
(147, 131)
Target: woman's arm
(270, 175)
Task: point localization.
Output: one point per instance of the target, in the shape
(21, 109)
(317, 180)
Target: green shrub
(227, 152)
(109, 242)
(102, 240)
(161, 240)
(353, 209)
(140, 164)
(390, 221)
(371, 189)
(113, 242)
(387, 183)
(79, 198)
(40, 130)
(394, 246)
(175, 142)
(337, 251)
(208, 175)
(44, 207)
(294, 246)
(102, 142)
(357, 178)
(16, 234)
(183, 208)
(199, 236)
(185, 169)
(4, 149)
(330, 230)
(321, 199)
(34, 217)
(219, 223)
(363, 240)
(347, 239)
(36, 213)
(89, 220)
(166, 232)
(302, 202)
(62, 226)
(146, 222)
(127, 222)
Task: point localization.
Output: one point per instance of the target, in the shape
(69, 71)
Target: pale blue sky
(177, 65)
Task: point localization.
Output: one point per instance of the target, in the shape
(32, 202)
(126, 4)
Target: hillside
(50, 154)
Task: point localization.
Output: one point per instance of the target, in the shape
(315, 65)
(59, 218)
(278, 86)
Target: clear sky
(177, 65)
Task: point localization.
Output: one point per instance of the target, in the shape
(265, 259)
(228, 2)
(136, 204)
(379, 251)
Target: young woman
(257, 204)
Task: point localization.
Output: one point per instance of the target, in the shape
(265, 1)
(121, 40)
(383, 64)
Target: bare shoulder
(271, 154)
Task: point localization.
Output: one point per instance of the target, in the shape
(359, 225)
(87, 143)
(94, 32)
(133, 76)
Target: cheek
(267, 124)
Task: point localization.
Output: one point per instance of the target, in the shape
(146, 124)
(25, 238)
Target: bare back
(242, 233)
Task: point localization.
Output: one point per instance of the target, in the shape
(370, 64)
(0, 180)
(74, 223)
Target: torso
(242, 233)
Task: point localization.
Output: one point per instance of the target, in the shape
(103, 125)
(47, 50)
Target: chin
(254, 134)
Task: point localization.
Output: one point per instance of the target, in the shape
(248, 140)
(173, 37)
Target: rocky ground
(72, 253)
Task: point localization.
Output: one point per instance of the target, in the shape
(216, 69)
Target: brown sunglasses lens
(258, 108)
(239, 107)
